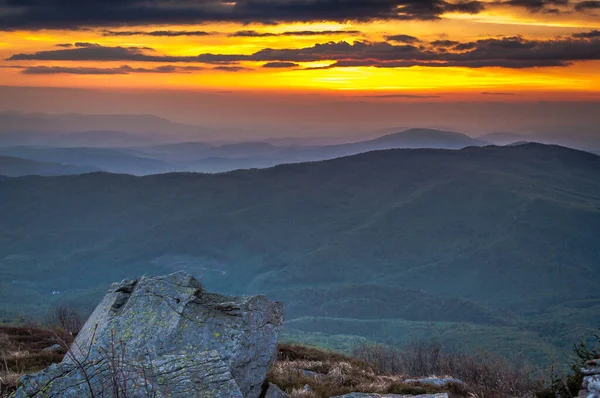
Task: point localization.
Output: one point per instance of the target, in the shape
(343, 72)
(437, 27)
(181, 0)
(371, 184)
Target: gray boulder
(156, 318)
(201, 374)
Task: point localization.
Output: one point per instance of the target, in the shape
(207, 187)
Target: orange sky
(579, 80)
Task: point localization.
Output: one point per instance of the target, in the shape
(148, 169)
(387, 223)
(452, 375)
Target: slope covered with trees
(496, 242)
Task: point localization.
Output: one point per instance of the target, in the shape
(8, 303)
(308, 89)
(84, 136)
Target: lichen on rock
(221, 346)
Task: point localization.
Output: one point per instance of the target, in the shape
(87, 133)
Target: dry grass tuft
(373, 369)
(22, 352)
(487, 375)
(330, 374)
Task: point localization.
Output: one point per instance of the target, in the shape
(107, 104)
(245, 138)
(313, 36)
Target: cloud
(587, 35)
(280, 65)
(96, 52)
(546, 6)
(496, 93)
(445, 43)
(122, 70)
(504, 52)
(155, 33)
(403, 39)
(254, 33)
(411, 96)
(231, 68)
(584, 6)
(77, 14)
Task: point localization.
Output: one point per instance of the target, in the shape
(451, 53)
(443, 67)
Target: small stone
(440, 382)
(54, 348)
(273, 391)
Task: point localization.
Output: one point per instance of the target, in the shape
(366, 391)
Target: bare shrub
(568, 385)
(486, 374)
(5, 342)
(22, 351)
(8, 382)
(110, 372)
(65, 318)
(331, 374)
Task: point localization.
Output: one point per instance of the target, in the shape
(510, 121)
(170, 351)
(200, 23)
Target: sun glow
(241, 41)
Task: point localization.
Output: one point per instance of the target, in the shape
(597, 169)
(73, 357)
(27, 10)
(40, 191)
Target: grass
(328, 374)
(310, 372)
(486, 374)
(385, 370)
(22, 351)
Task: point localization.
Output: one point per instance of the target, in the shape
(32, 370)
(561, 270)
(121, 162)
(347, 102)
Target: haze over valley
(145, 144)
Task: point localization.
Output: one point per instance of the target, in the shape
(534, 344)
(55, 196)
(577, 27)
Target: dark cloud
(552, 6)
(411, 96)
(122, 70)
(96, 52)
(587, 35)
(81, 44)
(280, 65)
(254, 33)
(505, 52)
(497, 93)
(156, 33)
(74, 14)
(546, 6)
(231, 68)
(590, 5)
(445, 43)
(403, 39)
(64, 45)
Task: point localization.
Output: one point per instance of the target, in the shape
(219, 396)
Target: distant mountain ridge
(427, 138)
(37, 127)
(17, 167)
(212, 158)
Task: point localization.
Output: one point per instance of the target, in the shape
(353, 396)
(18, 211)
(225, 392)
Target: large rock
(591, 380)
(201, 374)
(154, 318)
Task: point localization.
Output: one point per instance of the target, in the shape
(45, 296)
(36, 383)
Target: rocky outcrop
(201, 374)
(167, 334)
(591, 380)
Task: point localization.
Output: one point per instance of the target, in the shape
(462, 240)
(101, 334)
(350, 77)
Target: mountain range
(17, 128)
(213, 158)
(483, 247)
(17, 167)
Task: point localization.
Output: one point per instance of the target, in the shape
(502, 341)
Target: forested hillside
(484, 247)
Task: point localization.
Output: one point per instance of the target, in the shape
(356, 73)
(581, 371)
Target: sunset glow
(445, 55)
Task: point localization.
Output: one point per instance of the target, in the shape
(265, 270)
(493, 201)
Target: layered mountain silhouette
(213, 158)
(17, 167)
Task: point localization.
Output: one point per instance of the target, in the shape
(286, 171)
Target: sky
(373, 52)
